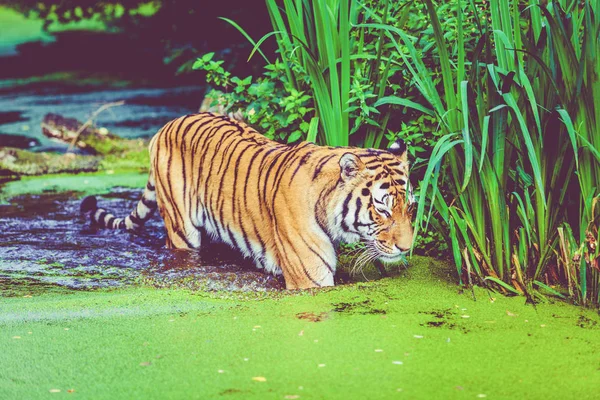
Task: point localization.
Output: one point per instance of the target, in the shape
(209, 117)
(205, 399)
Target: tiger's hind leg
(186, 237)
(181, 232)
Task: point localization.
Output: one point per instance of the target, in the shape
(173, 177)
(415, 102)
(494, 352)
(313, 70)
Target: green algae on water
(412, 336)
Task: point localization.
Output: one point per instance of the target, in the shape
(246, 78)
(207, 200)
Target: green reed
(518, 166)
(322, 45)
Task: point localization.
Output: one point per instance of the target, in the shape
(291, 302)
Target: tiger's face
(390, 208)
(378, 207)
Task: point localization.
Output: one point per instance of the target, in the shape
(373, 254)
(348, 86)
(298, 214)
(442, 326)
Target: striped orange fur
(287, 207)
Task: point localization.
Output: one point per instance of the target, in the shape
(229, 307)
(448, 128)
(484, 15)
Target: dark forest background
(146, 42)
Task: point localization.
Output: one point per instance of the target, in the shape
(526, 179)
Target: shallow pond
(43, 238)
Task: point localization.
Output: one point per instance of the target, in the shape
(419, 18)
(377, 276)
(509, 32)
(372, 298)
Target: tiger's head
(376, 205)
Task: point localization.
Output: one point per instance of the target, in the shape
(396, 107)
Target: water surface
(44, 238)
(145, 111)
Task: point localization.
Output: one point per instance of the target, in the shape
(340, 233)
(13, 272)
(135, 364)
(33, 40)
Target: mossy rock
(16, 162)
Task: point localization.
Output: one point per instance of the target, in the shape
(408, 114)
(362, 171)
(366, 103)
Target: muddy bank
(44, 239)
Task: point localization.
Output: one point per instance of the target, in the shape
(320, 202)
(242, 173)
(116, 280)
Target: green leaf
(312, 130)
(501, 283)
(296, 135)
(403, 102)
(549, 289)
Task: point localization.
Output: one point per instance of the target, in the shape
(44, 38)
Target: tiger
(288, 207)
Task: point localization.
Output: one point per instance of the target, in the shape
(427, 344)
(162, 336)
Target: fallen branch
(85, 136)
(90, 121)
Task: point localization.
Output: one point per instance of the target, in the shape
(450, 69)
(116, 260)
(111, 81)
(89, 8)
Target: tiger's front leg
(309, 266)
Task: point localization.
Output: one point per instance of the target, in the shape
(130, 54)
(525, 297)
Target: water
(44, 239)
(144, 112)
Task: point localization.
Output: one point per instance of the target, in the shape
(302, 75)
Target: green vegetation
(314, 44)
(171, 33)
(498, 103)
(520, 129)
(17, 29)
(488, 95)
(15, 162)
(361, 97)
(268, 103)
(413, 336)
(113, 154)
(330, 75)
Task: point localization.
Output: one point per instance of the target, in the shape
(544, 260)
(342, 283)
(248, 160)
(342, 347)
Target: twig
(466, 254)
(90, 121)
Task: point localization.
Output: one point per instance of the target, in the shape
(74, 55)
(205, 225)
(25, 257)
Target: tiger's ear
(398, 148)
(350, 166)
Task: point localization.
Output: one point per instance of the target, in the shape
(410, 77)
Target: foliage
(399, 100)
(68, 11)
(523, 101)
(279, 111)
(314, 42)
(363, 117)
(377, 73)
(430, 243)
(312, 78)
(492, 93)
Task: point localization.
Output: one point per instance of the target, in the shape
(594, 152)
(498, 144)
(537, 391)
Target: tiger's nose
(403, 249)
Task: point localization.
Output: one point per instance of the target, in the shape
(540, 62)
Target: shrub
(348, 76)
(277, 110)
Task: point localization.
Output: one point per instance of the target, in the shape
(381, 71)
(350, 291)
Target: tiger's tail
(134, 221)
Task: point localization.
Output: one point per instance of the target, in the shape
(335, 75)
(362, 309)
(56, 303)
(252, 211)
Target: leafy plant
(523, 102)
(350, 94)
(347, 67)
(279, 111)
(378, 76)
(314, 42)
